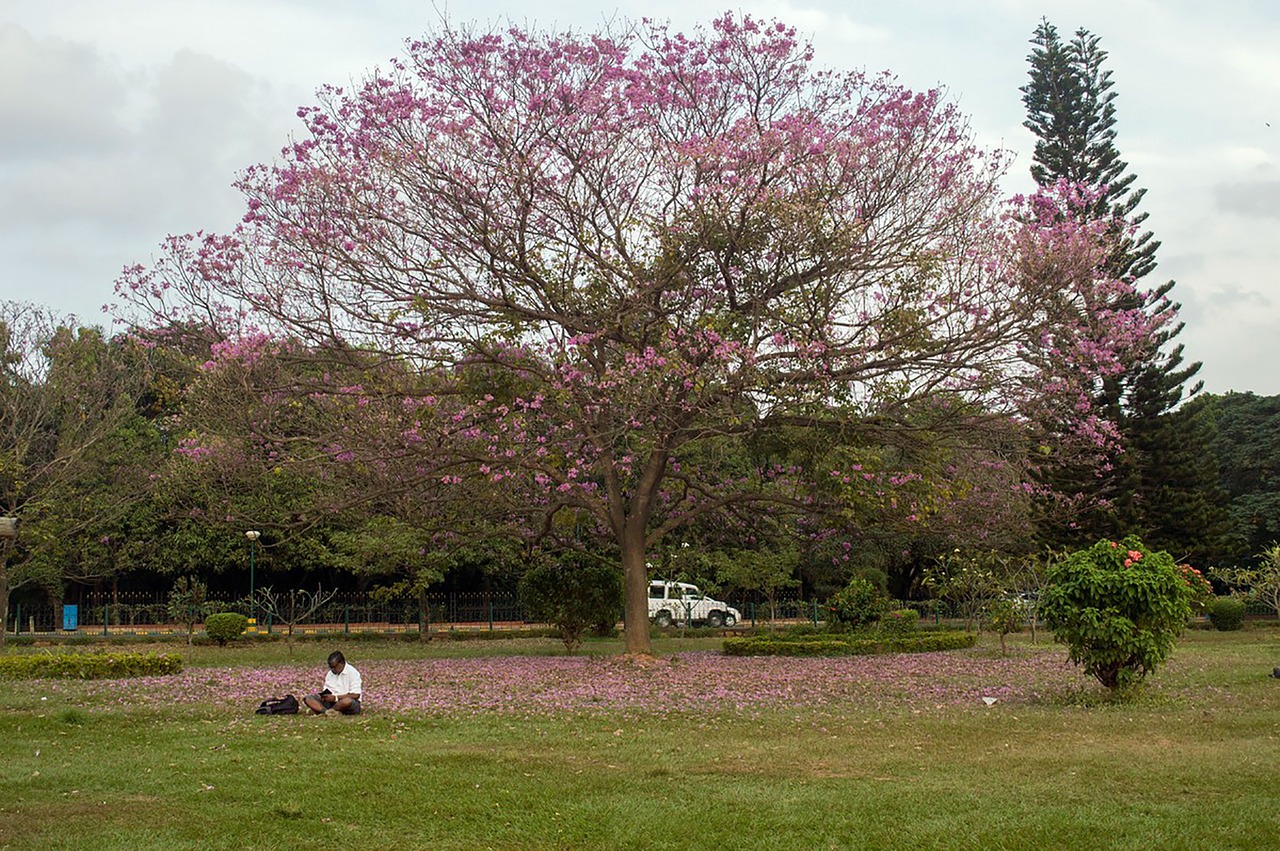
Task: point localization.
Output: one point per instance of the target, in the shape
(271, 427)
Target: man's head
(337, 662)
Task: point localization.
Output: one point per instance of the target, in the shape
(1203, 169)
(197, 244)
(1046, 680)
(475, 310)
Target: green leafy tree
(574, 593)
(385, 547)
(251, 455)
(1160, 479)
(1261, 582)
(968, 581)
(1119, 608)
(1023, 579)
(64, 392)
(1004, 616)
(1177, 499)
(1071, 110)
(96, 524)
(1245, 441)
(766, 571)
(189, 603)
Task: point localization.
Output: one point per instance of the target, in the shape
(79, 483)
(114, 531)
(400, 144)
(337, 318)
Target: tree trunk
(629, 519)
(4, 594)
(635, 583)
(424, 615)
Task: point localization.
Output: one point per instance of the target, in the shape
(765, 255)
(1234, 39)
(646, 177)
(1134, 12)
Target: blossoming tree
(650, 242)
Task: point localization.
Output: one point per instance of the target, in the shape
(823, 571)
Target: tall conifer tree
(1157, 483)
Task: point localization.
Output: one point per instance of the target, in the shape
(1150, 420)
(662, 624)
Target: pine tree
(1158, 483)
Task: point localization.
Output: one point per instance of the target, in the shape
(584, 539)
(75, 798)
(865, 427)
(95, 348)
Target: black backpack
(287, 705)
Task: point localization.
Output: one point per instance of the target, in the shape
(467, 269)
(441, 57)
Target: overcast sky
(122, 121)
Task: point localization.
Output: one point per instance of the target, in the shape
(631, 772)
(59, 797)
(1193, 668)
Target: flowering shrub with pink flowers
(1119, 608)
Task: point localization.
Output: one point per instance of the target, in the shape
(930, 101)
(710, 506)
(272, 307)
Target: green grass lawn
(1187, 763)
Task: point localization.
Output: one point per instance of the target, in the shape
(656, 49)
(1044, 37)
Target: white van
(682, 603)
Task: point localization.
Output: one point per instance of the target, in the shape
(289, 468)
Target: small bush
(1004, 616)
(87, 666)
(189, 603)
(1119, 608)
(577, 593)
(1226, 613)
(899, 623)
(930, 642)
(225, 626)
(856, 605)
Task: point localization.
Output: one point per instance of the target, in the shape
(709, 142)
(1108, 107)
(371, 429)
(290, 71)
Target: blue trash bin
(70, 617)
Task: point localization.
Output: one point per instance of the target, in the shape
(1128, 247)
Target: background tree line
(93, 469)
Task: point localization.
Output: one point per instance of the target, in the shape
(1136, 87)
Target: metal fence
(148, 613)
(144, 613)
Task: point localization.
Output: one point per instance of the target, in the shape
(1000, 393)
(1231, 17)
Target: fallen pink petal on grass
(701, 681)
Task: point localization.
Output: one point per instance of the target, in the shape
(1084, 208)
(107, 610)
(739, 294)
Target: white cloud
(56, 98)
(1250, 199)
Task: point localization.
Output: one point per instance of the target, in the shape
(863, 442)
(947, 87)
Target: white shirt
(347, 682)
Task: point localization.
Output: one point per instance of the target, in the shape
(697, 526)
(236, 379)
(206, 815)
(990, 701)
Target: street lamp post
(252, 535)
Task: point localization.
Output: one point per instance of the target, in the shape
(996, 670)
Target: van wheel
(730, 620)
(662, 618)
(715, 620)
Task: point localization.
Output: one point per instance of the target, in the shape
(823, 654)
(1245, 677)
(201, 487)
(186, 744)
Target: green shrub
(1004, 616)
(856, 605)
(1226, 613)
(574, 593)
(833, 645)
(1118, 607)
(899, 623)
(87, 666)
(225, 626)
(189, 603)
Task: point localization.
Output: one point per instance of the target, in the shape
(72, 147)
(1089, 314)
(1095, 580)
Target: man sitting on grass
(341, 694)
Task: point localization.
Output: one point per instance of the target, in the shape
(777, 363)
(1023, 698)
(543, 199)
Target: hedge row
(763, 645)
(87, 666)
